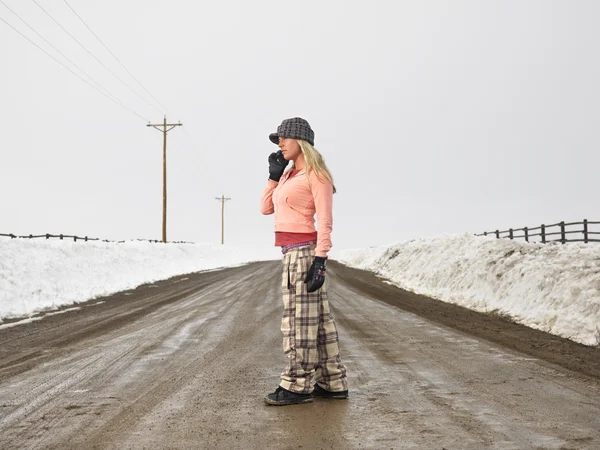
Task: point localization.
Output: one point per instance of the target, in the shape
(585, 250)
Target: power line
(93, 56)
(112, 97)
(76, 74)
(117, 59)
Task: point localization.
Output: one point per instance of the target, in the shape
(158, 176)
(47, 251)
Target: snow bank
(550, 287)
(39, 275)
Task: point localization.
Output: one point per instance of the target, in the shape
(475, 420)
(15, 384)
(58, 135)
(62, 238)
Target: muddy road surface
(185, 364)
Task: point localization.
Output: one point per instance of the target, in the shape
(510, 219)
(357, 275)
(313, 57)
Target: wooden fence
(85, 238)
(546, 233)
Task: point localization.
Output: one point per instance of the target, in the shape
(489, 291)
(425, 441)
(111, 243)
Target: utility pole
(222, 199)
(164, 131)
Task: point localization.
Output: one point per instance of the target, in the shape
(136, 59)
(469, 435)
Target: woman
(310, 338)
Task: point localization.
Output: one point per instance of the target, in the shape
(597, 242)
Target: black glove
(277, 165)
(316, 274)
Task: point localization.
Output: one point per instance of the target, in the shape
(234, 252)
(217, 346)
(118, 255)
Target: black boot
(282, 397)
(323, 393)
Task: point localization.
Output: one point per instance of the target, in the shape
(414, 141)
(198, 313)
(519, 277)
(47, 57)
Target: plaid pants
(310, 337)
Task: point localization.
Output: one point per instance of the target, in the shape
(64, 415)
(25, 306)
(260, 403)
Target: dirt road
(185, 363)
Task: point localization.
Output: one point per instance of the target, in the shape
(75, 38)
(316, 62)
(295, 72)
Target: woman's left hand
(277, 165)
(316, 274)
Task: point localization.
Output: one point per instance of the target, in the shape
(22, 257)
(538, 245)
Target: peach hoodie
(295, 202)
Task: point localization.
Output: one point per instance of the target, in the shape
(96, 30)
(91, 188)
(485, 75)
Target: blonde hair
(314, 160)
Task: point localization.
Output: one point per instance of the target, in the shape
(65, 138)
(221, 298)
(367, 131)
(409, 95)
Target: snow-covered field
(551, 287)
(42, 275)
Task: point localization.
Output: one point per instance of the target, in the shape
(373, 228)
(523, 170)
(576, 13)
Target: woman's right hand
(277, 165)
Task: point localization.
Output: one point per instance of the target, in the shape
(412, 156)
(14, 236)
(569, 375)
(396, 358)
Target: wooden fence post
(563, 238)
(543, 234)
(497, 234)
(510, 233)
(526, 234)
(585, 231)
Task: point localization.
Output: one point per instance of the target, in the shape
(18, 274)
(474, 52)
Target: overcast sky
(433, 116)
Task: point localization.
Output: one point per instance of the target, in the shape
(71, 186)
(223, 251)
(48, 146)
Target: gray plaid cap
(294, 128)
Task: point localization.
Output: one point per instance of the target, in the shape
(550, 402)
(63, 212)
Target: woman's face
(289, 148)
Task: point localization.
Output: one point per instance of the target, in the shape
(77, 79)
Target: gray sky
(433, 116)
